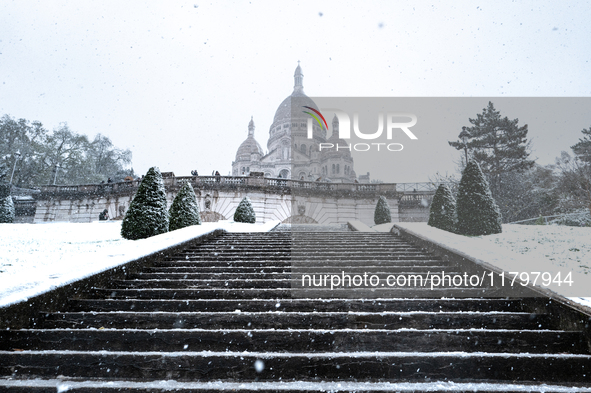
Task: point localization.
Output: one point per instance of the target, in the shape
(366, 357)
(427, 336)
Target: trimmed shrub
(245, 212)
(478, 213)
(6, 204)
(147, 214)
(6, 210)
(184, 210)
(442, 213)
(382, 213)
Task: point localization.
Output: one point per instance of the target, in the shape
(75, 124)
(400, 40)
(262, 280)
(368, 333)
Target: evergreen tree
(582, 149)
(382, 212)
(6, 204)
(245, 212)
(442, 213)
(501, 149)
(147, 214)
(184, 210)
(576, 172)
(478, 213)
(6, 210)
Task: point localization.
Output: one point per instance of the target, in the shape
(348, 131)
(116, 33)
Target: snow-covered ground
(563, 246)
(527, 248)
(35, 258)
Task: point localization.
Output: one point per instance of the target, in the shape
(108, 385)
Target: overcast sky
(177, 81)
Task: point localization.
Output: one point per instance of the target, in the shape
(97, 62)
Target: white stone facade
(291, 155)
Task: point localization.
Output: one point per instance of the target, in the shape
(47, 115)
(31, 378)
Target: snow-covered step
(221, 282)
(226, 263)
(298, 276)
(305, 305)
(269, 319)
(117, 386)
(198, 269)
(218, 269)
(288, 292)
(208, 274)
(317, 262)
(226, 254)
(305, 366)
(203, 293)
(297, 340)
(231, 274)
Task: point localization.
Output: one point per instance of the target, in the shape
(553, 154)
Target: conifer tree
(442, 213)
(6, 204)
(184, 210)
(582, 148)
(478, 214)
(147, 214)
(245, 212)
(382, 212)
(575, 176)
(6, 210)
(501, 148)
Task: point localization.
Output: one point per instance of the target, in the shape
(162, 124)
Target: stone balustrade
(285, 200)
(200, 182)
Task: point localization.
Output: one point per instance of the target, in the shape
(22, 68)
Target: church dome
(249, 146)
(296, 101)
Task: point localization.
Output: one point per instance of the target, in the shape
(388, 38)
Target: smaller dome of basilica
(249, 146)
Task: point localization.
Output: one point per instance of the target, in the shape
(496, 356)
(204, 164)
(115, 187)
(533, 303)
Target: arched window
(338, 168)
(333, 168)
(303, 148)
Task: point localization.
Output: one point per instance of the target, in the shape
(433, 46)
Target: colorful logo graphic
(316, 117)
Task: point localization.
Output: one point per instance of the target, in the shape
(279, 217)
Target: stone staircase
(232, 314)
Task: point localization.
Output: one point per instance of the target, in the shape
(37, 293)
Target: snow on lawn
(35, 258)
(526, 248)
(563, 246)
